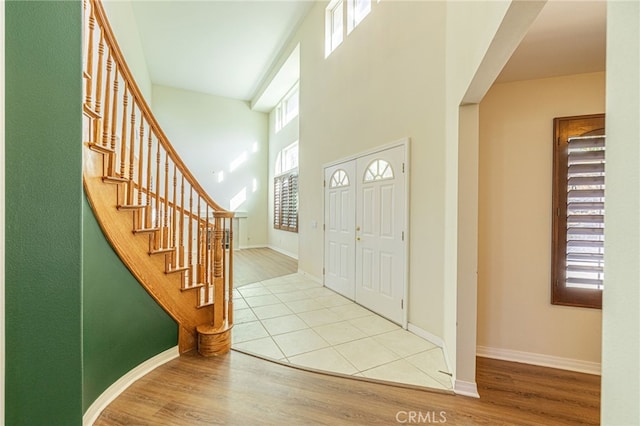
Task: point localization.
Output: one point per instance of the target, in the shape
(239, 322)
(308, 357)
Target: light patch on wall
(254, 147)
(238, 199)
(255, 185)
(238, 161)
(220, 176)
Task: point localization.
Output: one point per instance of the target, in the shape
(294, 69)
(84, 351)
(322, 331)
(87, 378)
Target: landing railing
(167, 202)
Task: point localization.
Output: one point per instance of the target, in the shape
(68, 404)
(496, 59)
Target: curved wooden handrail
(110, 38)
(169, 206)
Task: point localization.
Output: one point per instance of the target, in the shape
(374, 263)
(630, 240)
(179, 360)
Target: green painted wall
(43, 372)
(122, 326)
(52, 239)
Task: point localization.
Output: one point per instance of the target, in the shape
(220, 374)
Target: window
(578, 211)
(339, 179)
(287, 109)
(378, 170)
(335, 23)
(285, 189)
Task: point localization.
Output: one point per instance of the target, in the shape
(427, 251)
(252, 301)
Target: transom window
(336, 26)
(338, 179)
(288, 108)
(378, 170)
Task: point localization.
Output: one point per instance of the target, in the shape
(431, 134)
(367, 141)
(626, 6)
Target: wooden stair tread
(175, 270)
(130, 207)
(114, 179)
(162, 251)
(145, 230)
(90, 112)
(100, 148)
(193, 287)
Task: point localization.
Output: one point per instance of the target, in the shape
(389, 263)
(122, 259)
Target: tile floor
(298, 321)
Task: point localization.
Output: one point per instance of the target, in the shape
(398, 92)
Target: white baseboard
(250, 247)
(311, 277)
(120, 385)
(463, 388)
(540, 359)
(281, 251)
(426, 335)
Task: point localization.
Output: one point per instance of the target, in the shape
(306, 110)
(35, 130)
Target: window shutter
(585, 212)
(277, 204)
(285, 203)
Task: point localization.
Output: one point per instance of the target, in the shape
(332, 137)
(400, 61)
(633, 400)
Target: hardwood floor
(258, 264)
(238, 389)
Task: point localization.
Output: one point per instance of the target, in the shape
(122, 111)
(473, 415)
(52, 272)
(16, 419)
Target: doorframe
(406, 143)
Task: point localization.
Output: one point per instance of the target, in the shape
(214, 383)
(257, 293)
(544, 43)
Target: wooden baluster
(148, 212)
(132, 143)
(107, 103)
(218, 312)
(156, 219)
(230, 276)
(114, 123)
(98, 99)
(140, 213)
(199, 270)
(123, 137)
(89, 71)
(182, 213)
(174, 209)
(190, 243)
(165, 221)
(208, 248)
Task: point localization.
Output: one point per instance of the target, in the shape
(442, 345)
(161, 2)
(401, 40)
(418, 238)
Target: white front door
(380, 226)
(339, 213)
(364, 211)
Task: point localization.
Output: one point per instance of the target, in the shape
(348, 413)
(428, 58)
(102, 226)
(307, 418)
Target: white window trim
(281, 120)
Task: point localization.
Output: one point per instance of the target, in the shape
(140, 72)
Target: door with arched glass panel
(339, 213)
(380, 226)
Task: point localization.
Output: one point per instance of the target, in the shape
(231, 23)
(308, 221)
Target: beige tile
(259, 290)
(366, 353)
(248, 331)
(402, 372)
(271, 311)
(283, 324)
(305, 305)
(340, 332)
(350, 311)
(373, 324)
(261, 300)
(315, 293)
(264, 347)
(319, 317)
(243, 315)
(293, 296)
(327, 359)
(282, 288)
(239, 303)
(298, 342)
(432, 362)
(333, 300)
(404, 343)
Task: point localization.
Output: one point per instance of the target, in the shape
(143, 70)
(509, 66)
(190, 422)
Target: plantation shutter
(585, 212)
(285, 216)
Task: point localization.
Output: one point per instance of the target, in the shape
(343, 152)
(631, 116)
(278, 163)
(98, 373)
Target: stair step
(114, 179)
(90, 112)
(162, 251)
(204, 305)
(100, 148)
(175, 270)
(130, 207)
(193, 287)
(145, 230)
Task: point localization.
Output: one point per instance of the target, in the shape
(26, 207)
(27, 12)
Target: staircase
(171, 235)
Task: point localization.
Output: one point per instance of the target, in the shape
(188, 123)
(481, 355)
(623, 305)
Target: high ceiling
(223, 48)
(227, 47)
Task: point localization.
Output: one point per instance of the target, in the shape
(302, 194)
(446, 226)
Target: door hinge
(402, 235)
(401, 303)
(402, 167)
(322, 271)
(324, 183)
(323, 227)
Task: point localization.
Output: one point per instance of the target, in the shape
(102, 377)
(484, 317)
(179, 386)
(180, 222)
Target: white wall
(210, 133)
(283, 241)
(125, 28)
(621, 299)
(514, 282)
